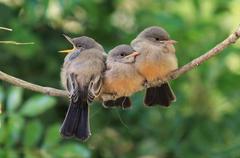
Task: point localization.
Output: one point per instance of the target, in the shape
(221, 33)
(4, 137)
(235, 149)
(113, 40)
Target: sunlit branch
(231, 39)
(16, 43)
(5, 28)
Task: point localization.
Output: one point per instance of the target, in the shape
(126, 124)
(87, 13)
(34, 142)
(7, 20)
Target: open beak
(68, 50)
(134, 54)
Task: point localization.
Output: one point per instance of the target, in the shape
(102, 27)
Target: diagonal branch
(5, 28)
(231, 39)
(27, 85)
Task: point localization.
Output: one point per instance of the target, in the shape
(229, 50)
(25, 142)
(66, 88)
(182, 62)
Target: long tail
(71, 118)
(162, 95)
(82, 126)
(76, 122)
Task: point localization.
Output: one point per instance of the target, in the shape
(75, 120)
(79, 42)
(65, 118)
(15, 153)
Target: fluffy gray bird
(121, 77)
(82, 76)
(157, 58)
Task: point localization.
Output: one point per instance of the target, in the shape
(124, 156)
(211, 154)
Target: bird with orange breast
(156, 60)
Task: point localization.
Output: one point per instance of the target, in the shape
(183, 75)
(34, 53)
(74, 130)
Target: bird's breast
(156, 66)
(124, 82)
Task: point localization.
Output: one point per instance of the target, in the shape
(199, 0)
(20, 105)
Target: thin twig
(13, 42)
(5, 28)
(232, 38)
(16, 43)
(27, 85)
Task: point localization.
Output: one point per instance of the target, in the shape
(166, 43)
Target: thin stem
(5, 28)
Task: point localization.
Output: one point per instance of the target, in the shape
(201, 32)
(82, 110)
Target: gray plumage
(82, 76)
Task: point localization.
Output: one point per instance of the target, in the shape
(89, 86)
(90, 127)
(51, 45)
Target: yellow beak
(68, 50)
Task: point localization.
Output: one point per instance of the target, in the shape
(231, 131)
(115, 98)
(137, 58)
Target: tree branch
(27, 85)
(232, 38)
(5, 28)
(16, 43)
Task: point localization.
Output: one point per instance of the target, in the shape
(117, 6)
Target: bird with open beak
(81, 76)
(121, 77)
(156, 60)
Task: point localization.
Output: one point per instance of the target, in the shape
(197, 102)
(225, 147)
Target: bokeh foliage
(204, 122)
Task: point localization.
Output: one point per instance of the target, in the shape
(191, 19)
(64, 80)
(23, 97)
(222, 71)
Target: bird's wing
(94, 88)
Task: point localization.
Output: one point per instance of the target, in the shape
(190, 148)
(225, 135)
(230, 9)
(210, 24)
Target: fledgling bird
(121, 77)
(81, 75)
(156, 60)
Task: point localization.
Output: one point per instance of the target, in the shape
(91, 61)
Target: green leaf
(14, 126)
(71, 151)
(32, 133)
(2, 153)
(14, 98)
(10, 153)
(3, 131)
(1, 94)
(33, 153)
(37, 105)
(52, 137)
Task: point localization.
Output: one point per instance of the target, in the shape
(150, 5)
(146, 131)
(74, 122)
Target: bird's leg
(145, 83)
(154, 83)
(109, 96)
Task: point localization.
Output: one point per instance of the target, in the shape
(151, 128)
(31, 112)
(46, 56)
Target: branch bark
(232, 38)
(27, 85)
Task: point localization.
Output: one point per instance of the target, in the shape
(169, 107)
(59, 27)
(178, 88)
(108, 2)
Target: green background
(203, 123)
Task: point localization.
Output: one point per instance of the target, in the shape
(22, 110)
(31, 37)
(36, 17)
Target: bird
(156, 60)
(121, 77)
(81, 76)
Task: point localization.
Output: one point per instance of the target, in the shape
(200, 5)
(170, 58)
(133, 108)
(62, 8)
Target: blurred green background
(203, 123)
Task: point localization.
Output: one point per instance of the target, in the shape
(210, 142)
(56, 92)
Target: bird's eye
(157, 39)
(122, 54)
(78, 45)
